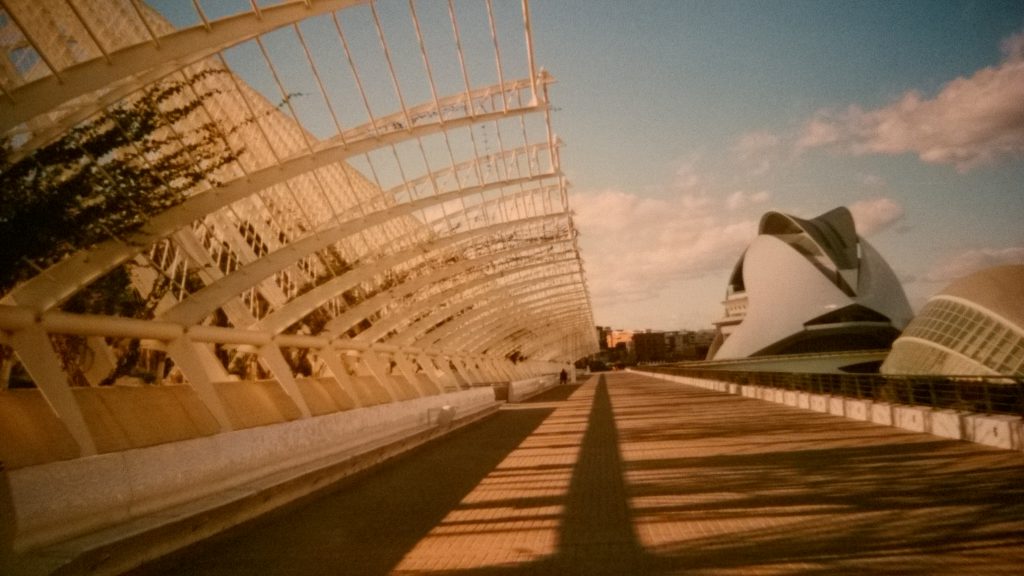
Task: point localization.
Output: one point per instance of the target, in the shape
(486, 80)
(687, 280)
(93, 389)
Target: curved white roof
(807, 279)
(972, 327)
(359, 160)
(999, 289)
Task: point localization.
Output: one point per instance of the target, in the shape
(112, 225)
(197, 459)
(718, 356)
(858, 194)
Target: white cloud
(688, 177)
(820, 131)
(753, 143)
(758, 151)
(872, 180)
(740, 199)
(875, 215)
(971, 122)
(635, 247)
(970, 261)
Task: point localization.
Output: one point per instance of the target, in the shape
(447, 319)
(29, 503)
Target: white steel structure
(974, 327)
(809, 286)
(384, 205)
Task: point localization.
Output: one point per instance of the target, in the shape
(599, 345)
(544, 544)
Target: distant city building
(602, 337)
(809, 286)
(973, 327)
(620, 338)
(690, 345)
(650, 346)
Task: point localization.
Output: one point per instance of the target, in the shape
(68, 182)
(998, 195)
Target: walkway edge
(995, 430)
(123, 547)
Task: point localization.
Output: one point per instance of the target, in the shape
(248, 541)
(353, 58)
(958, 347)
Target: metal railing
(984, 394)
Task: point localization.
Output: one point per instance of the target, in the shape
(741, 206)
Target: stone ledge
(521, 390)
(134, 537)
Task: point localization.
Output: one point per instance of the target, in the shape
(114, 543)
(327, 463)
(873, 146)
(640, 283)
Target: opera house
(975, 327)
(809, 286)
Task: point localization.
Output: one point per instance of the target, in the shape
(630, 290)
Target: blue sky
(685, 121)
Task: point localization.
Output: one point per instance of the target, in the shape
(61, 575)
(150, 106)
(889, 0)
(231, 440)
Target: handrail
(987, 394)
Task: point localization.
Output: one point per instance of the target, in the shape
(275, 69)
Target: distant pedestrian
(563, 377)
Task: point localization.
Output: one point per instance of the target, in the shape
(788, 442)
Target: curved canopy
(366, 172)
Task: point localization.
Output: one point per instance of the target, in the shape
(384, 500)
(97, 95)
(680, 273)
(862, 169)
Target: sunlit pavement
(626, 474)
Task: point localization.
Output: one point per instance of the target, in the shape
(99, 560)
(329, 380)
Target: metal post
(341, 376)
(282, 372)
(196, 363)
(33, 347)
(379, 371)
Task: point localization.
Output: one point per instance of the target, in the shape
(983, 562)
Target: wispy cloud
(740, 199)
(970, 261)
(758, 151)
(635, 247)
(971, 122)
(875, 215)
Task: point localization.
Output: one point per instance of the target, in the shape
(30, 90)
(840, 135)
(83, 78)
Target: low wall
(996, 430)
(520, 390)
(56, 502)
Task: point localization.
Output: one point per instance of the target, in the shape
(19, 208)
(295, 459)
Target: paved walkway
(627, 474)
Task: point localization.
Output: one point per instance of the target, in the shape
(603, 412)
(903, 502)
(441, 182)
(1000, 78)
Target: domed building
(975, 327)
(809, 286)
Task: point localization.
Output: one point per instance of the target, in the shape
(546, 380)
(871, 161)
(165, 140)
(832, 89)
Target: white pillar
(448, 378)
(379, 370)
(282, 372)
(488, 368)
(432, 372)
(408, 368)
(33, 347)
(468, 373)
(495, 367)
(201, 368)
(337, 369)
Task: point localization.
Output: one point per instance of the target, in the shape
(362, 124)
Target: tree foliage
(106, 176)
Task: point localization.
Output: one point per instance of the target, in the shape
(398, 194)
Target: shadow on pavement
(367, 525)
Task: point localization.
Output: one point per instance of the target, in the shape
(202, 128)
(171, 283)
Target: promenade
(626, 474)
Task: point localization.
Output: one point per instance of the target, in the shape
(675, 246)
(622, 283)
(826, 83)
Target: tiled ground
(631, 475)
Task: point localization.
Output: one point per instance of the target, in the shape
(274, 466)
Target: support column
(379, 371)
(409, 371)
(103, 360)
(282, 372)
(34, 349)
(201, 368)
(517, 371)
(336, 367)
(463, 368)
(487, 371)
(431, 370)
(499, 368)
(447, 375)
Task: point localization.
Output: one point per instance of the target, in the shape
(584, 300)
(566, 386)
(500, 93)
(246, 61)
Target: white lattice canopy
(283, 190)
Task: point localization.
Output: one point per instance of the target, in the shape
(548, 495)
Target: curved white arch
(354, 315)
(148, 62)
(452, 299)
(305, 303)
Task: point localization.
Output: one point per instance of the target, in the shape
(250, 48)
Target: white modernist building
(809, 286)
(975, 327)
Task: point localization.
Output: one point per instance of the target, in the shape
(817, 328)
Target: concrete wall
(520, 390)
(995, 430)
(63, 499)
(129, 417)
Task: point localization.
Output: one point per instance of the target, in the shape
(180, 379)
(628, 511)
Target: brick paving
(626, 474)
